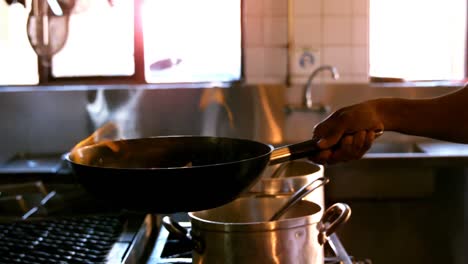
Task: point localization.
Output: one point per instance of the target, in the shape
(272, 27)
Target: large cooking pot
(240, 232)
(176, 173)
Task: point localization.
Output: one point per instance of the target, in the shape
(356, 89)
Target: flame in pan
(105, 134)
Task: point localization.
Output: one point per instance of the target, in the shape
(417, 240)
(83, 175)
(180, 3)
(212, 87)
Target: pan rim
(271, 148)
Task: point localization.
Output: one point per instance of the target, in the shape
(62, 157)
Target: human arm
(350, 130)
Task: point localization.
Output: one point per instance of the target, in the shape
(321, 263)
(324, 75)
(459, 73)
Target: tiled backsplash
(332, 31)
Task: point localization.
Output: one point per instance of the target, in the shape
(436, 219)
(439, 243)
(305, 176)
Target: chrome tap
(307, 101)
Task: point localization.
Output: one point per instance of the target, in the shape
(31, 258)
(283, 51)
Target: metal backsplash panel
(44, 121)
(41, 121)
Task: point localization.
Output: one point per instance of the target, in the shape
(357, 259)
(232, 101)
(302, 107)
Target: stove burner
(61, 224)
(25, 200)
(171, 249)
(64, 240)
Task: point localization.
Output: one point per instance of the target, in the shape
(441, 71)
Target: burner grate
(86, 239)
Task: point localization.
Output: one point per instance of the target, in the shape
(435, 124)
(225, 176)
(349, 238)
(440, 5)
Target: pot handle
(176, 229)
(335, 216)
(298, 195)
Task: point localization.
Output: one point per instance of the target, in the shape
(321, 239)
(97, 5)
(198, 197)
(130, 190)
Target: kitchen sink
(394, 147)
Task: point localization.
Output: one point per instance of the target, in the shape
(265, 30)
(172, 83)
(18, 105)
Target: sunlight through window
(418, 39)
(18, 61)
(100, 41)
(192, 41)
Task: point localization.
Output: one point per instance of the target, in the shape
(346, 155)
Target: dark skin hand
(348, 133)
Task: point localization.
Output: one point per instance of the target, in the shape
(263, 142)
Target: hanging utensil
(47, 27)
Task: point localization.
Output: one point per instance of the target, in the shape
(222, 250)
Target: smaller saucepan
(288, 178)
(242, 232)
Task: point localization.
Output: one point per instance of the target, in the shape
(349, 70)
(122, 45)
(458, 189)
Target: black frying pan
(176, 173)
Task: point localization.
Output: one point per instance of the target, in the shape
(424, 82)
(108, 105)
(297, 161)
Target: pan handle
(299, 150)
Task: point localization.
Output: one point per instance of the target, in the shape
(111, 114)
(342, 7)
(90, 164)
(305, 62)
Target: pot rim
(261, 226)
(318, 169)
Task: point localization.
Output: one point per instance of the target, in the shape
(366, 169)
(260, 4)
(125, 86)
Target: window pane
(100, 41)
(418, 39)
(18, 61)
(192, 41)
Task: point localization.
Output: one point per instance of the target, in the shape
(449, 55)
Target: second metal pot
(239, 232)
(287, 178)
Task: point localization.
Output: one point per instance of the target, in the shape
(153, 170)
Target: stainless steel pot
(289, 177)
(239, 232)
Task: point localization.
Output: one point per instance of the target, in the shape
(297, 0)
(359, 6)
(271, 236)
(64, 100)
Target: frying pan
(176, 173)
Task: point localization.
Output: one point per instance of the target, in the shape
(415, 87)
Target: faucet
(307, 101)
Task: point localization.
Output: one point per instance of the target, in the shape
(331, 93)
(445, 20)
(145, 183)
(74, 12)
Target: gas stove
(42, 223)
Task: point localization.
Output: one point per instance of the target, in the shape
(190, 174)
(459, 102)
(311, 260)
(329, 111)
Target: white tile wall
(360, 7)
(338, 30)
(254, 62)
(307, 7)
(360, 30)
(340, 57)
(360, 58)
(253, 7)
(337, 7)
(275, 7)
(276, 62)
(308, 31)
(253, 32)
(275, 31)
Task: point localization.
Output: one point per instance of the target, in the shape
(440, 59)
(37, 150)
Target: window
(99, 42)
(418, 39)
(18, 62)
(194, 43)
(141, 41)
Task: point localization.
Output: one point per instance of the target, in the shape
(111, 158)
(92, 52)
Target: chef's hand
(348, 133)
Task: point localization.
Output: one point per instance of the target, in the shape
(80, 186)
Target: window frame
(138, 78)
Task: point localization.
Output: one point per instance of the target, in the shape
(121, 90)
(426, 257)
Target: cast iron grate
(86, 239)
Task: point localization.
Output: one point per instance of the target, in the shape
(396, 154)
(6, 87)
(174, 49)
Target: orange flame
(104, 134)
